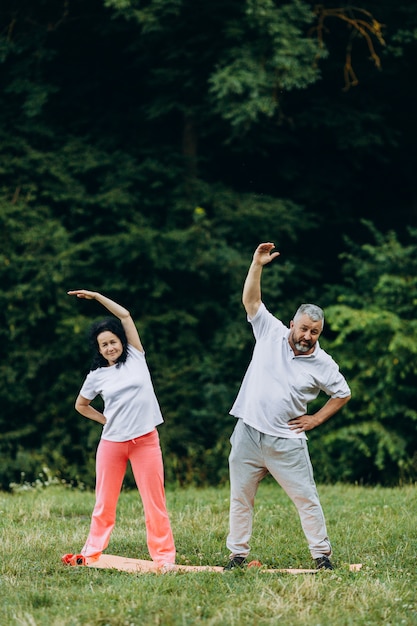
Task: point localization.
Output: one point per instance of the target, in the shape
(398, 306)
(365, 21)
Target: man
(288, 369)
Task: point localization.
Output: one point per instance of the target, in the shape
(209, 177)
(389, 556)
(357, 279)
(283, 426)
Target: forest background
(146, 148)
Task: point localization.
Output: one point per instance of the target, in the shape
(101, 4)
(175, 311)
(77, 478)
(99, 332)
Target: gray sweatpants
(253, 455)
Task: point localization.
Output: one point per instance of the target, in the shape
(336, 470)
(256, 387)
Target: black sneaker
(235, 561)
(324, 563)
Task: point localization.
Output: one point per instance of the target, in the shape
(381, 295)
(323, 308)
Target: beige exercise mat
(125, 564)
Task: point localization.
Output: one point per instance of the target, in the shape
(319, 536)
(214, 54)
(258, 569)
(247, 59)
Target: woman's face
(109, 346)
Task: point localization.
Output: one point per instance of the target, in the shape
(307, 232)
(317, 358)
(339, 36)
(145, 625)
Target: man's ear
(292, 324)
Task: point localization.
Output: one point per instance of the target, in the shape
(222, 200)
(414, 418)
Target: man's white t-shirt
(278, 385)
(130, 404)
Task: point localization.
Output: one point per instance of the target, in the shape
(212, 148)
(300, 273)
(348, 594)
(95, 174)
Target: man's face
(304, 334)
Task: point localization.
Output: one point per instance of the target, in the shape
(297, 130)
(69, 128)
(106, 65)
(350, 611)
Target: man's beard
(302, 347)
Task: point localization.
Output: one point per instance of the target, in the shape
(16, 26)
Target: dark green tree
(375, 337)
(145, 149)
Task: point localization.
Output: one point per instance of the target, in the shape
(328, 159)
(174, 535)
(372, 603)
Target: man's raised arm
(251, 296)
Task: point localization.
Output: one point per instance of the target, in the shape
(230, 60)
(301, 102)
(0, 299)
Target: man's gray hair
(313, 311)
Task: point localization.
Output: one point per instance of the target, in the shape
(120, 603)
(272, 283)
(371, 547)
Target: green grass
(375, 526)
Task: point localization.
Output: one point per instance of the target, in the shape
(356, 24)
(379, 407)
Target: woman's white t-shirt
(130, 404)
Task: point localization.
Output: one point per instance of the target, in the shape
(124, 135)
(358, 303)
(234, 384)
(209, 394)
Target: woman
(120, 375)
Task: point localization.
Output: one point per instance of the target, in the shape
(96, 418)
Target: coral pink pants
(144, 454)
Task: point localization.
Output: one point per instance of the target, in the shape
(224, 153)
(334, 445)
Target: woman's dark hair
(113, 325)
